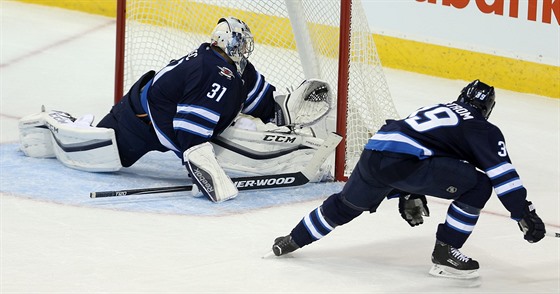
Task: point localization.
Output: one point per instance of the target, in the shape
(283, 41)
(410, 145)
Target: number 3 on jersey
(502, 149)
(216, 88)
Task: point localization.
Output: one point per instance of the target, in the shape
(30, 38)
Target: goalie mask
(479, 95)
(234, 37)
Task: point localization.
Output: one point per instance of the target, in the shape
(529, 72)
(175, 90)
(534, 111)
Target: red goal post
(294, 40)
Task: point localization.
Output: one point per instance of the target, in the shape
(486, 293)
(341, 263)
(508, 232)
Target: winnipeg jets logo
(226, 72)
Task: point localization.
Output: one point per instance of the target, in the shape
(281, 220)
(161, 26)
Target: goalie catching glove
(305, 106)
(207, 174)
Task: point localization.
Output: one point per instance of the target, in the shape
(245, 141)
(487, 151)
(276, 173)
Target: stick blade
(552, 234)
(267, 255)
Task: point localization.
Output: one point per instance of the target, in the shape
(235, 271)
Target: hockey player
(447, 151)
(181, 108)
(192, 100)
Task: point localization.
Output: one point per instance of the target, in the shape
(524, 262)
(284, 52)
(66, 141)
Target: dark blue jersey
(456, 130)
(195, 98)
(260, 99)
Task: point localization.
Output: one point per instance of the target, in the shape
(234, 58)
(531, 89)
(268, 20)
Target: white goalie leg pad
(208, 175)
(80, 146)
(305, 106)
(35, 137)
(259, 149)
(73, 142)
(251, 123)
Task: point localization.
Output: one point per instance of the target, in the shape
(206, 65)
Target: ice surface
(55, 239)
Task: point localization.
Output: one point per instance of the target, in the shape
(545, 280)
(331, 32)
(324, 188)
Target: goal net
(294, 40)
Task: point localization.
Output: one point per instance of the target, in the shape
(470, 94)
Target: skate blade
(438, 270)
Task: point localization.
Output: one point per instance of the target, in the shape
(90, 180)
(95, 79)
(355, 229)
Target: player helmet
(480, 96)
(234, 37)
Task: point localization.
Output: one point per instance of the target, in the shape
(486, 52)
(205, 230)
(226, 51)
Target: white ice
(65, 60)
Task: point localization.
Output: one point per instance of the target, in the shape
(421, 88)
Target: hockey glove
(207, 173)
(531, 224)
(304, 106)
(412, 207)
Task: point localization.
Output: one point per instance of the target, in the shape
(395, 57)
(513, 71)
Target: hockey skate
(449, 262)
(284, 245)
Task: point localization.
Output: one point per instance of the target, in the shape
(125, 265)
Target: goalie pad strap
(281, 111)
(207, 174)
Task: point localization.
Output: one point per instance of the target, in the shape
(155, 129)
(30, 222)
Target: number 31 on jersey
(216, 89)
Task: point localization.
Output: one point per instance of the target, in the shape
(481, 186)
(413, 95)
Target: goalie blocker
(207, 174)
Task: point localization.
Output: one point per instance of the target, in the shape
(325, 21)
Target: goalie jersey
(456, 130)
(195, 98)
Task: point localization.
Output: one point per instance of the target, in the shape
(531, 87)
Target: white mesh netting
(159, 31)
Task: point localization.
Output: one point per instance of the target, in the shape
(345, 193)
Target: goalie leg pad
(35, 137)
(207, 174)
(245, 152)
(73, 142)
(81, 146)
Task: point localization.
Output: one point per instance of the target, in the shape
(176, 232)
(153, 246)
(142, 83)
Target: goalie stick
(242, 183)
(251, 182)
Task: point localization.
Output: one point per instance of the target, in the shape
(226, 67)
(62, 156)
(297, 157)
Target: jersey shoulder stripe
(398, 142)
(256, 87)
(256, 100)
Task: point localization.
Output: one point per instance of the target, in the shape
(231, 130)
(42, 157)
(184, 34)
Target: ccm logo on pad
(277, 138)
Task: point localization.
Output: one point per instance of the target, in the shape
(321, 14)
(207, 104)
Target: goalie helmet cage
(294, 40)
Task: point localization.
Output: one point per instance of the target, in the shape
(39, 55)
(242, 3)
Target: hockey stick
(243, 183)
(249, 183)
(552, 234)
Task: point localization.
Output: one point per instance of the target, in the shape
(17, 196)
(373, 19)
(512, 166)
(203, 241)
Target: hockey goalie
(247, 147)
(191, 107)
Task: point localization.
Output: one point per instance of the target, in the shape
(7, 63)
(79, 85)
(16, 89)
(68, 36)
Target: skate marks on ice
(48, 180)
